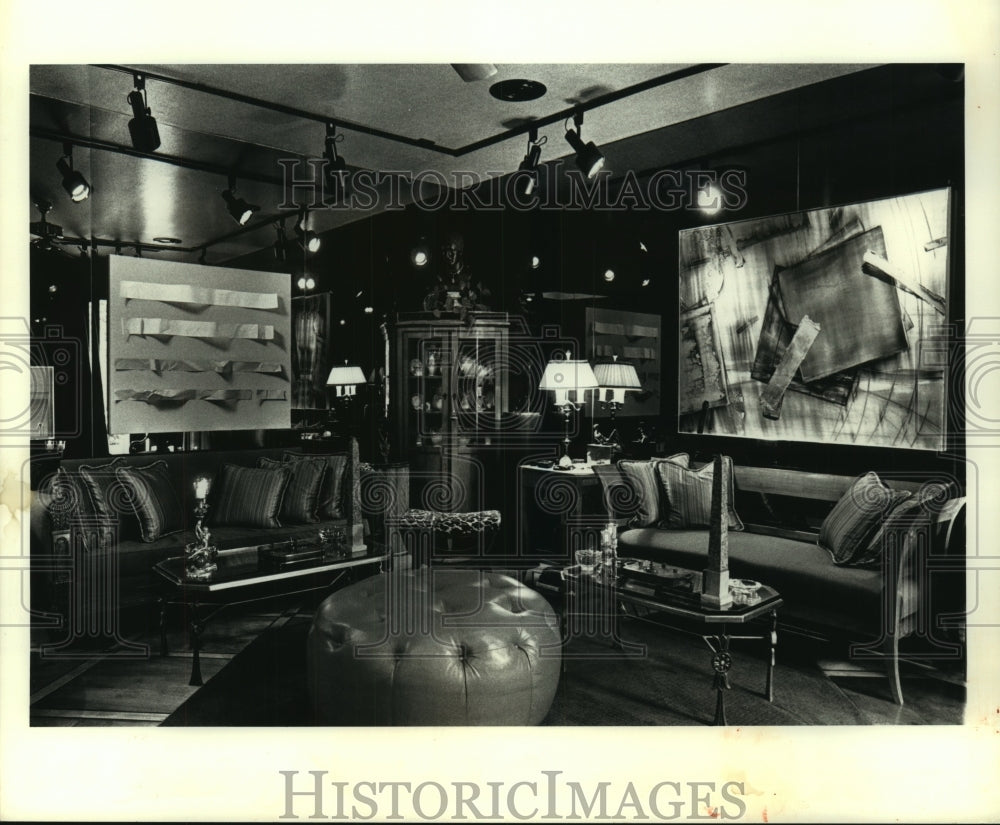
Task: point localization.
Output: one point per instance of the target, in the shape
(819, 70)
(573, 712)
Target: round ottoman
(434, 647)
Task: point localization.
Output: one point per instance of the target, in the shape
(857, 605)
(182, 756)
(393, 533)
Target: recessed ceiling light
(535, 262)
(642, 246)
(609, 275)
(645, 281)
(166, 239)
(369, 310)
(518, 90)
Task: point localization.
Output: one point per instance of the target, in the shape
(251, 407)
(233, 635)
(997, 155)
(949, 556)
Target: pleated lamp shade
(617, 377)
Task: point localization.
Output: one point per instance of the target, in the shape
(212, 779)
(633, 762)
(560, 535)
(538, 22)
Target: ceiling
(436, 117)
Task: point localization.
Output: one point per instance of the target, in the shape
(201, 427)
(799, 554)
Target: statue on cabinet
(454, 290)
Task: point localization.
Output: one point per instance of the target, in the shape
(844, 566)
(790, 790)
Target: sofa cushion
(641, 475)
(898, 520)
(331, 493)
(154, 500)
(109, 499)
(687, 494)
(302, 494)
(814, 589)
(69, 504)
(847, 531)
(249, 497)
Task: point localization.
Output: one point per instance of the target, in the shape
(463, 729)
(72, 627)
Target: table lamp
(565, 376)
(345, 381)
(614, 379)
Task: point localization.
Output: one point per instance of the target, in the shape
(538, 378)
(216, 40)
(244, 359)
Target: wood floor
(133, 685)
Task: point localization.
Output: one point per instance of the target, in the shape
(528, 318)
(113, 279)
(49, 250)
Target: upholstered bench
(434, 647)
(448, 536)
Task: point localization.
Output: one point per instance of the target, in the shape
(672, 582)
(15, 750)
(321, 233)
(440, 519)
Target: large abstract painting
(822, 326)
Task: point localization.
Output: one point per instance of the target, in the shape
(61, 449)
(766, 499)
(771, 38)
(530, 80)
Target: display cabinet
(451, 396)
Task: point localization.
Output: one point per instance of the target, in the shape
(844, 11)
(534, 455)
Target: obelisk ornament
(715, 580)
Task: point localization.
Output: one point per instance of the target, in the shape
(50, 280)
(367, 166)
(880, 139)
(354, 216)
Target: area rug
(671, 684)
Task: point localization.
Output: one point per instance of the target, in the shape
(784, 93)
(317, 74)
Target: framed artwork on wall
(186, 357)
(633, 337)
(825, 325)
(310, 351)
(42, 402)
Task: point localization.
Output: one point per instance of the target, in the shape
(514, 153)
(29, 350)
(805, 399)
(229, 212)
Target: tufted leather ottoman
(434, 647)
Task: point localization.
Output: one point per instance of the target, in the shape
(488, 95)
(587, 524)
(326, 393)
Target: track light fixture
(308, 239)
(588, 157)
(142, 126)
(238, 208)
(73, 182)
(527, 171)
(337, 181)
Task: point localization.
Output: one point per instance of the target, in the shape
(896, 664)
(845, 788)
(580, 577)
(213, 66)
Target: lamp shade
(617, 377)
(564, 376)
(345, 375)
(345, 378)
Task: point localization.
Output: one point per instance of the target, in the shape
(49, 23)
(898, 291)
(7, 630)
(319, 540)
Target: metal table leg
(769, 688)
(196, 627)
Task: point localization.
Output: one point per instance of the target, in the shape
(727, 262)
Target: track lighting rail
(423, 143)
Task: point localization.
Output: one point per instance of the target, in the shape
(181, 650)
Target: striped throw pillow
(330, 506)
(854, 520)
(154, 499)
(641, 476)
(302, 494)
(688, 493)
(249, 497)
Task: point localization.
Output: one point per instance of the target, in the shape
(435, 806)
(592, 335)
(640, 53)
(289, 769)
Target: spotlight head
(589, 159)
(528, 171)
(309, 240)
(142, 127)
(73, 182)
(239, 208)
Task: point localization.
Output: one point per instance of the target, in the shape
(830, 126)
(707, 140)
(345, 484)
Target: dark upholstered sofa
(873, 605)
(85, 566)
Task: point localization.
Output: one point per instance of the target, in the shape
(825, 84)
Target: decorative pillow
(642, 476)
(109, 499)
(249, 497)
(70, 507)
(154, 500)
(688, 493)
(331, 491)
(302, 493)
(900, 517)
(853, 521)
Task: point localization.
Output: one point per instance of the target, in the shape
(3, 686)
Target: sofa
(88, 563)
(781, 525)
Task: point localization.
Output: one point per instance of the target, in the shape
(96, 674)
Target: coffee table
(250, 574)
(649, 591)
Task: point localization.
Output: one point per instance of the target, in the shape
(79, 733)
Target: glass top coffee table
(249, 574)
(648, 590)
